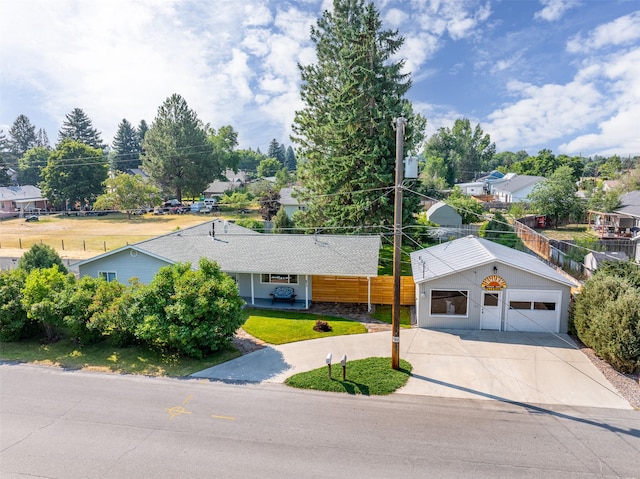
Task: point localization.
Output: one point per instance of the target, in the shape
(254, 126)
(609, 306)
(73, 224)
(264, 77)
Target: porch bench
(283, 294)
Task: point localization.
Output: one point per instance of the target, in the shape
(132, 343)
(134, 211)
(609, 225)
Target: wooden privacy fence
(534, 241)
(347, 289)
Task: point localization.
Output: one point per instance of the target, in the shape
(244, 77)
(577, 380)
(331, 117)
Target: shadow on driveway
(251, 368)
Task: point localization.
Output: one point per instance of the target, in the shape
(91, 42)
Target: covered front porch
(263, 303)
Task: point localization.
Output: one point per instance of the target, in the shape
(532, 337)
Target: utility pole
(399, 125)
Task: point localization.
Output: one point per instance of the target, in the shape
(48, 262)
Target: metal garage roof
(470, 252)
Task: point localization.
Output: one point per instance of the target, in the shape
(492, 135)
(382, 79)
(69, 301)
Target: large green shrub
(606, 317)
(192, 312)
(46, 297)
(114, 312)
(83, 306)
(41, 256)
(14, 324)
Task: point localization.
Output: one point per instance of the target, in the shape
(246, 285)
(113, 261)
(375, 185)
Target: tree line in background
(180, 154)
(345, 138)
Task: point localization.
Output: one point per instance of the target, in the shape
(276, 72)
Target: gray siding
(125, 265)
(471, 280)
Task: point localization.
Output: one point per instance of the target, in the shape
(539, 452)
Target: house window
(279, 278)
(449, 302)
(108, 275)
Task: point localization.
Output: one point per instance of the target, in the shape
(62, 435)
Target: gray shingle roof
(630, 204)
(469, 252)
(242, 250)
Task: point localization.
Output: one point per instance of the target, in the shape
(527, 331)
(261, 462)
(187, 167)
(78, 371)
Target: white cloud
(554, 9)
(545, 113)
(617, 132)
(622, 31)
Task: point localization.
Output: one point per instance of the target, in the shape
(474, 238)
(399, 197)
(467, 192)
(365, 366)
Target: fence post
(20, 242)
(62, 245)
(104, 244)
(84, 245)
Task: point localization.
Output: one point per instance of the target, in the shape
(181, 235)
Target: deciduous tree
(556, 196)
(466, 151)
(31, 164)
(127, 192)
(74, 173)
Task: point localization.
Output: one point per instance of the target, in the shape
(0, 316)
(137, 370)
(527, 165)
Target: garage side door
(533, 310)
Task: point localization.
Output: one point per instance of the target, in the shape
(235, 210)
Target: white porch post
(253, 299)
(369, 294)
(306, 291)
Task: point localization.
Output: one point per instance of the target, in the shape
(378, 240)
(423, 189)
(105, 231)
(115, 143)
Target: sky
(557, 74)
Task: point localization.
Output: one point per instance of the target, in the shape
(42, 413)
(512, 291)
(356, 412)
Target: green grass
(280, 327)
(103, 356)
(370, 376)
(384, 312)
(385, 261)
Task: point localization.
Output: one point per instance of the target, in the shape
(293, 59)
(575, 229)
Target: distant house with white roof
(516, 188)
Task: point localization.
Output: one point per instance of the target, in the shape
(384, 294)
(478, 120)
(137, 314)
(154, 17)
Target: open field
(82, 237)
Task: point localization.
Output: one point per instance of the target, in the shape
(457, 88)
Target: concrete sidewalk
(537, 368)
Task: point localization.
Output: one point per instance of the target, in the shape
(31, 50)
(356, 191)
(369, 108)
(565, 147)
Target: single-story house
(473, 283)
(516, 188)
(258, 262)
(233, 180)
(443, 214)
(289, 202)
(18, 200)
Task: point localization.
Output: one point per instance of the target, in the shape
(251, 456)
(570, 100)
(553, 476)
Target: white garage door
(533, 310)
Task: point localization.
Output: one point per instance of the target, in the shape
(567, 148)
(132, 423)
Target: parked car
(197, 206)
(31, 218)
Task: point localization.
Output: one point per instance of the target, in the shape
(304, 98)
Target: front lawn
(103, 356)
(370, 376)
(280, 327)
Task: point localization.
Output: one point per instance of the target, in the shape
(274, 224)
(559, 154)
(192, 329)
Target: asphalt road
(73, 424)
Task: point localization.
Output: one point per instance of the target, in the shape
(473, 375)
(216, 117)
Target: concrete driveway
(533, 368)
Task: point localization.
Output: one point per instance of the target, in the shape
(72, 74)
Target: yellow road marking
(178, 410)
(223, 417)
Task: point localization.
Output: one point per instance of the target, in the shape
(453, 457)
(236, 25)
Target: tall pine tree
(177, 153)
(290, 160)
(126, 146)
(78, 127)
(276, 150)
(352, 95)
(22, 137)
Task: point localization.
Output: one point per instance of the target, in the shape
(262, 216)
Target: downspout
(306, 291)
(369, 294)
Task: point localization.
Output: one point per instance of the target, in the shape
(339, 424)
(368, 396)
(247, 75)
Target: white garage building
(473, 283)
